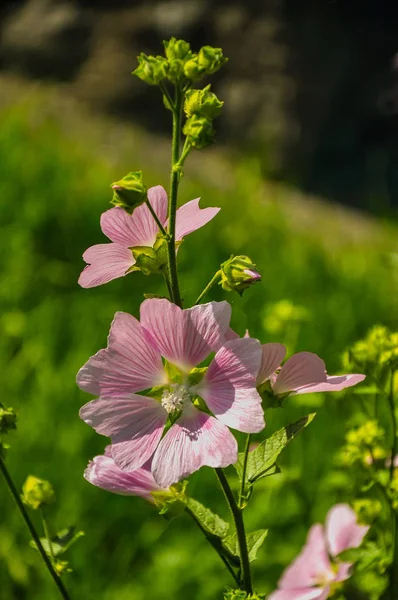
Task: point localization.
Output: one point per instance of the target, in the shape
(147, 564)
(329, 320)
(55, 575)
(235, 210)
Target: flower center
(174, 397)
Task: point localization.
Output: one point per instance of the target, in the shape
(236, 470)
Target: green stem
(174, 181)
(47, 534)
(394, 424)
(166, 93)
(158, 223)
(226, 563)
(208, 287)
(240, 531)
(244, 468)
(14, 492)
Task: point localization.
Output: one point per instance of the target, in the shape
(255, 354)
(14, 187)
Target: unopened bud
(177, 49)
(151, 69)
(8, 420)
(129, 192)
(193, 70)
(203, 103)
(211, 59)
(37, 492)
(238, 273)
(199, 131)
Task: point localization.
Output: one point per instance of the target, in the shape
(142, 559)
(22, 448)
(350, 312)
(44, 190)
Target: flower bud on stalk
(37, 492)
(151, 69)
(211, 59)
(238, 273)
(203, 103)
(199, 131)
(129, 192)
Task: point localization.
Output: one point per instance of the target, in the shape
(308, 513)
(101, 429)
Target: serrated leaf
(61, 542)
(263, 458)
(254, 540)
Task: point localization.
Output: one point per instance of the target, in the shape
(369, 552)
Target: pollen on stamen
(174, 397)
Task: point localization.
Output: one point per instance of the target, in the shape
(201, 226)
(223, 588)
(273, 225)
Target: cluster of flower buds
(364, 445)
(201, 107)
(37, 493)
(129, 192)
(238, 273)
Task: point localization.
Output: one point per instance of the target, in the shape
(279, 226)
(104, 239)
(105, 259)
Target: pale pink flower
(104, 473)
(132, 363)
(110, 261)
(314, 572)
(302, 373)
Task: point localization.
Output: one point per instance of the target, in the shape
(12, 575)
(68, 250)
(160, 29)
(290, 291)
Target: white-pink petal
(301, 369)
(104, 473)
(272, 356)
(194, 441)
(185, 337)
(333, 383)
(190, 217)
(300, 594)
(229, 386)
(130, 363)
(145, 226)
(342, 529)
(118, 226)
(105, 262)
(134, 424)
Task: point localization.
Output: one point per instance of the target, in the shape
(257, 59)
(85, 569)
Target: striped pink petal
(301, 369)
(334, 383)
(272, 356)
(300, 594)
(145, 226)
(105, 262)
(190, 217)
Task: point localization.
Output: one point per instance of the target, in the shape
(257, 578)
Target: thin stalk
(47, 534)
(226, 563)
(158, 223)
(246, 584)
(208, 287)
(14, 492)
(174, 181)
(394, 424)
(244, 468)
(166, 278)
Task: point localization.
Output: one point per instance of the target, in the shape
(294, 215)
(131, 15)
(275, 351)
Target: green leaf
(61, 542)
(254, 540)
(261, 462)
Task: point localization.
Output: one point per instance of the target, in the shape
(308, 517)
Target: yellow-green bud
(192, 70)
(37, 492)
(151, 69)
(129, 192)
(238, 273)
(177, 49)
(203, 103)
(199, 131)
(151, 260)
(211, 59)
(8, 420)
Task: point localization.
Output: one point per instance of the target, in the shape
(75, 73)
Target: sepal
(129, 192)
(151, 69)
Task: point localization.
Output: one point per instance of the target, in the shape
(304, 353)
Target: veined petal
(229, 386)
(118, 226)
(301, 369)
(311, 565)
(194, 441)
(135, 425)
(342, 529)
(145, 226)
(185, 337)
(344, 571)
(105, 262)
(131, 363)
(190, 217)
(333, 383)
(300, 594)
(272, 356)
(104, 473)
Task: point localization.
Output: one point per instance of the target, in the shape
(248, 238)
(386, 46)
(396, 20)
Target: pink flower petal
(272, 356)
(344, 571)
(190, 217)
(342, 529)
(131, 363)
(134, 424)
(311, 566)
(300, 594)
(105, 262)
(119, 227)
(194, 441)
(185, 337)
(104, 473)
(229, 386)
(145, 226)
(300, 370)
(334, 383)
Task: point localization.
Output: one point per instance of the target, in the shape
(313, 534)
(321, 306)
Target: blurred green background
(330, 263)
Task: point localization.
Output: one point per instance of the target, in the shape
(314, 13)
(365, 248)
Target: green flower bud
(199, 131)
(151, 69)
(172, 502)
(177, 49)
(238, 273)
(129, 192)
(151, 261)
(192, 70)
(211, 59)
(8, 420)
(203, 103)
(37, 492)
(175, 70)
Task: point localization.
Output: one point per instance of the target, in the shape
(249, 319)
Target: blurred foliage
(54, 183)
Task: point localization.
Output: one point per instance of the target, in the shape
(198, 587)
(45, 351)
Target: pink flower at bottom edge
(110, 261)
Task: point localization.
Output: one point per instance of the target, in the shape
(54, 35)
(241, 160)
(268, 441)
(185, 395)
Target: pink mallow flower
(176, 393)
(104, 473)
(316, 572)
(302, 373)
(110, 261)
